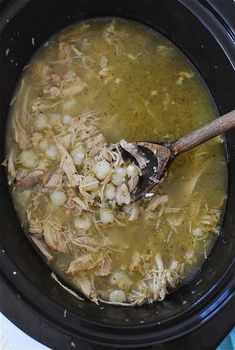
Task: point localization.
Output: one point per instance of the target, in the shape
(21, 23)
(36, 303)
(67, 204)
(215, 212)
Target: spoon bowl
(158, 158)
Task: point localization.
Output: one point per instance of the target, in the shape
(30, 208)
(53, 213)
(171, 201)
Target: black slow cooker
(201, 313)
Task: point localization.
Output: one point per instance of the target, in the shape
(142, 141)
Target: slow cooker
(199, 314)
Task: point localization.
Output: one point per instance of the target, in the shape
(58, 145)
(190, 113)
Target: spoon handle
(205, 133)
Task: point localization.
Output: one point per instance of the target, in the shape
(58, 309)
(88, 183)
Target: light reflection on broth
(103, 81)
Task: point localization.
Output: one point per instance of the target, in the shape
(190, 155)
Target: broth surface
(118, 80)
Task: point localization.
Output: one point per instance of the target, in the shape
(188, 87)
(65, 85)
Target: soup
(87, 88)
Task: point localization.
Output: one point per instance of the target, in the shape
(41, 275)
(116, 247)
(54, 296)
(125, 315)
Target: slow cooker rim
(218, 31)
(199, 9)
(232, 263)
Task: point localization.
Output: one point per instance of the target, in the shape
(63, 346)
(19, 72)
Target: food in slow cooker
(89, 87)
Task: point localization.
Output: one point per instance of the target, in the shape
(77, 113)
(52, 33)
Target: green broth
(144, 89)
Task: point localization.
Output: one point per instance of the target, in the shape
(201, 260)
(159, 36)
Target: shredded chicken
(105, 268)
(64, 51)
(11, 167)
(156, 201)
(133, 182)
(74, 88)
(84, 262)
(30, 180)
(42, 247)
(21, 137)
(67, 165)
(52, 233)
(53, 182)
(88, 289)
(135, 212)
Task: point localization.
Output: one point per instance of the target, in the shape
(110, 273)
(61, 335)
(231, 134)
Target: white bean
(28, 159)
(123, 194)
(117, 296)
(109, 192)
(78, 155)
(82, 222)
(58, 198)
(67, 119)
(40, 122)
(119, 176)
(90, 183)
(159, 262)
(197, 232)
(51, 152)
(103, 62)
(102, 169)
(43, 145)
(106, 216)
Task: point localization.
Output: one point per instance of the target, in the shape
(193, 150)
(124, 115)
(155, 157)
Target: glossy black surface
(201, 37)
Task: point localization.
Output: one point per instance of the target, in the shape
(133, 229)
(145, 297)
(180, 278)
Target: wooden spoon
(159, 156)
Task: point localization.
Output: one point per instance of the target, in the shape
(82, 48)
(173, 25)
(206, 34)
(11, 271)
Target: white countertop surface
(12, 338)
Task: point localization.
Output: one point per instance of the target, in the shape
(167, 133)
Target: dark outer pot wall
(202, 38)
(206, 337)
